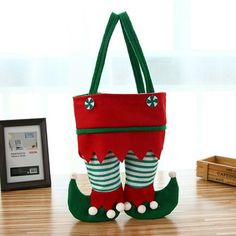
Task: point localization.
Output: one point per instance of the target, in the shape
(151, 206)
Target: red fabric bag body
(119, 123)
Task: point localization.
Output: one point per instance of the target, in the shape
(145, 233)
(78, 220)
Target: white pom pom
(92, 211)
(111, 214)
(153, 205)
(127, 206)
(141, 209)
(172, 174)
(74, 176)
(120, 206)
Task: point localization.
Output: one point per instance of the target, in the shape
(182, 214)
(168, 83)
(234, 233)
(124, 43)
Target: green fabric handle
(114, 18)
(135, 66)
(135, 54)
(128, 28)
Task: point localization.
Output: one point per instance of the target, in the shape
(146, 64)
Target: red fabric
(138, 196)
(120, 143)
(120, 110)
(107, 200)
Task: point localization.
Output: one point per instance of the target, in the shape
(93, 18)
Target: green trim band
(120, 129)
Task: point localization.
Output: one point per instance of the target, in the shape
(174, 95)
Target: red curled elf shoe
(120, 123)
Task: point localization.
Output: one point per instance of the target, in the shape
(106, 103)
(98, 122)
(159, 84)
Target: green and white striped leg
(140, 174)
(105, 178)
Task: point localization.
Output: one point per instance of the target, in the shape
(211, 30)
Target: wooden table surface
(205, 208)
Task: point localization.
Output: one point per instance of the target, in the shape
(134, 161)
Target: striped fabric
(105, 176)
(140, 173)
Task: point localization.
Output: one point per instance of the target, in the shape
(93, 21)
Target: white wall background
(48, 50)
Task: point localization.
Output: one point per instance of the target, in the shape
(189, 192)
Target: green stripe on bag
(120, 129)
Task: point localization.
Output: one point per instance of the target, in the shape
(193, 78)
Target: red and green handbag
(112, 128)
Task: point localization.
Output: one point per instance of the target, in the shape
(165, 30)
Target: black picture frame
(24, 159)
